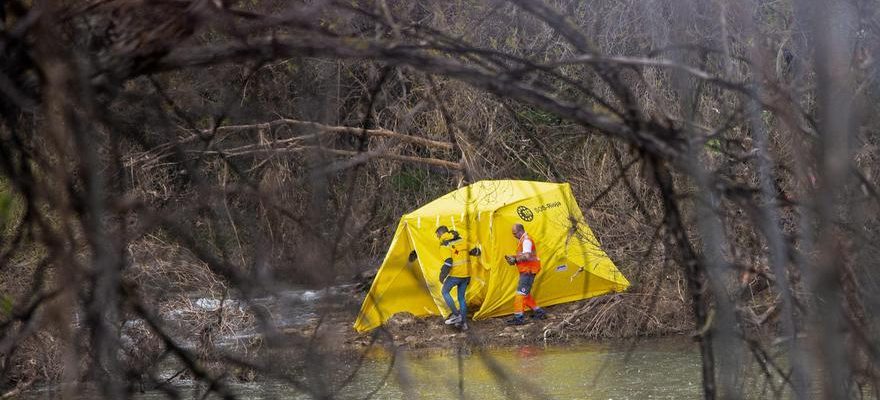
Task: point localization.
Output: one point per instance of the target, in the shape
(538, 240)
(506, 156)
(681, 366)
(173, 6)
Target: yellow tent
(573, 266)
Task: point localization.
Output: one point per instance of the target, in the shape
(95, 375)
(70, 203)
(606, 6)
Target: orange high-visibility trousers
(522, 301)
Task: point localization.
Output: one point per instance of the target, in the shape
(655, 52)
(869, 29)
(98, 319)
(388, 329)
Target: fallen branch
(163, 151)
(14, 392)
(334, 129)
(590, 305)
(357, 157)
(366, 156)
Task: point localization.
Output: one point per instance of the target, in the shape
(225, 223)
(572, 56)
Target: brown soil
(432, 333)
(563, 325)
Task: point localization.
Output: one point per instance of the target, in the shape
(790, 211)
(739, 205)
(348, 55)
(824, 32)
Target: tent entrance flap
(399, 286)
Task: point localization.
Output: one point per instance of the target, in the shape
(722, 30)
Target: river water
(667, 369)
(654, 369)
(649, 369)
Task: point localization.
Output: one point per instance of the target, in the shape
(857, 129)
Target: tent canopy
(573, 266)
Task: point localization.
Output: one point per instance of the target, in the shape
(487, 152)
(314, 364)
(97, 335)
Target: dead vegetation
(161, 154)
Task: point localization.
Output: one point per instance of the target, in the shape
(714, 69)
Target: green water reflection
(661, 370)
(667, 369)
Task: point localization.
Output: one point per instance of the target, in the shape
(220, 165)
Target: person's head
(441, 230)
(518, 230)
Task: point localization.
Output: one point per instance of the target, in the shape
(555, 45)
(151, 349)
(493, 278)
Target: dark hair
(441, 230)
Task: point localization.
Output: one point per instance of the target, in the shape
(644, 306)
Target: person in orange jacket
(528, 264)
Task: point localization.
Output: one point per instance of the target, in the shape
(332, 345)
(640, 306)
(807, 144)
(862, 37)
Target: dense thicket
(725, 153)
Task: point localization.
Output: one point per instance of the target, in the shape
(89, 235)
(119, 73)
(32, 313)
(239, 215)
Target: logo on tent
(525, 213)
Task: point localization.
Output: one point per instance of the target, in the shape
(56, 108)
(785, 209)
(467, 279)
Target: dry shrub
(165, 270)
(140, 348)
(623, 315)
(38, 358)
(206, 321)
(191, 302)
(17, 278)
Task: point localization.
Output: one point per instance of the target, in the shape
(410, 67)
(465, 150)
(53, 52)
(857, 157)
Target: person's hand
(510, 259)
